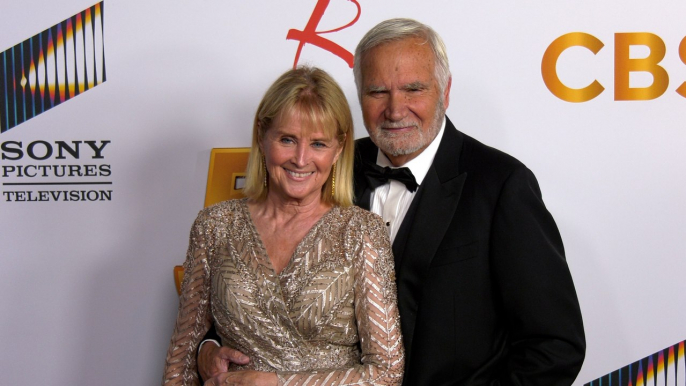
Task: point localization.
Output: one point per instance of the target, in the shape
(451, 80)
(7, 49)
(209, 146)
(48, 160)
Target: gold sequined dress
(329, 318)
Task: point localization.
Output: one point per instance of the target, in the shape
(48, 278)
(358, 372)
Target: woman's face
(298, 161)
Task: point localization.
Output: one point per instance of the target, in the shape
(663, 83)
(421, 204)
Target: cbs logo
(624, 66)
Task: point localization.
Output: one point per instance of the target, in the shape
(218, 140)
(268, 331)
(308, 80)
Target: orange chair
(225, 181)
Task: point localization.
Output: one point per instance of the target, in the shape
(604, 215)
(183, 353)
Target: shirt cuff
(208, 340)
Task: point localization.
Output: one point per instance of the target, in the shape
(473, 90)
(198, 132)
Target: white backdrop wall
(86, 288)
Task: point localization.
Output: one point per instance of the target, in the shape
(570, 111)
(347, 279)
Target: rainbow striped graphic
(664, 368)
(52, 67)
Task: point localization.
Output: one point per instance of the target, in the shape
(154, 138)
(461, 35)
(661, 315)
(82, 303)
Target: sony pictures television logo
(36, 75)
(42, 171)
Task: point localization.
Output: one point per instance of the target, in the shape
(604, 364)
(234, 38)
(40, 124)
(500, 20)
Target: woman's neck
(281, 210)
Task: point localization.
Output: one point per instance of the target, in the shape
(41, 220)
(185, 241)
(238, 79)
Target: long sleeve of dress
(194, 317)
(377, 318)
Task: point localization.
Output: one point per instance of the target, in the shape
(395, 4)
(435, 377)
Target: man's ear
(446, 93)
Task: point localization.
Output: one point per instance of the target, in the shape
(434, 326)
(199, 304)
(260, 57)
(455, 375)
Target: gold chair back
(225, 181)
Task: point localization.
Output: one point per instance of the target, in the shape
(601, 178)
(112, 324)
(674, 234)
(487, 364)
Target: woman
(293, 276)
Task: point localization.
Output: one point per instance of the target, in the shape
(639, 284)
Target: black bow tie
(377, 176)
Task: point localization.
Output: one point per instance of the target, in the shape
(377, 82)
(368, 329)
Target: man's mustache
(397, 125)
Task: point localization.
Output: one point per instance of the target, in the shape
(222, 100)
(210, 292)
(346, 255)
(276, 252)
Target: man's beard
(396, 144)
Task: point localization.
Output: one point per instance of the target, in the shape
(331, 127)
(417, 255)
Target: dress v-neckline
(296, 252)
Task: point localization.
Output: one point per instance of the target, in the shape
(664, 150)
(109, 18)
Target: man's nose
(396, 109)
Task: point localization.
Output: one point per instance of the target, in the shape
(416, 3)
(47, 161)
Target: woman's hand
(244, 378)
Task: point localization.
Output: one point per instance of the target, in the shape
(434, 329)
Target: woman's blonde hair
(321, 104)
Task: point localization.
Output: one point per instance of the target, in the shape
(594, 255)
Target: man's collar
(421, 163)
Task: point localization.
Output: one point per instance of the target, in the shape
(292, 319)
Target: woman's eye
(286, 140)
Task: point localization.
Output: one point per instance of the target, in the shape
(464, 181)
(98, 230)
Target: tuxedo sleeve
(542, 314)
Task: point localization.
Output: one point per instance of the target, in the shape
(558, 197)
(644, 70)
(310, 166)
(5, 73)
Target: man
(484, 291)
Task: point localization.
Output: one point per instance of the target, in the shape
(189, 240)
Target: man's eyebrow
(415, 86)
(374, 88)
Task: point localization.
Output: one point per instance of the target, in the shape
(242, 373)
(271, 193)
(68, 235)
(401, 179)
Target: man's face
(402, 104)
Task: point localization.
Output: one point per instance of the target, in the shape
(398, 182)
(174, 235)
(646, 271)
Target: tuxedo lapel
(434, 207)
(365, 151)
(425, 226)
(404, 231)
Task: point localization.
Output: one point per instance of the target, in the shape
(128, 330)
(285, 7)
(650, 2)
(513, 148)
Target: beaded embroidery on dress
(329, 318)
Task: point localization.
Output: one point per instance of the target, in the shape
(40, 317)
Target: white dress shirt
(400, 197)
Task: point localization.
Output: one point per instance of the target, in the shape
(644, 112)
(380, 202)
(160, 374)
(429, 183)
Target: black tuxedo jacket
(484, 291)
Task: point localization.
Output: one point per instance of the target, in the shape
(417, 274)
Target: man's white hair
(399, 29)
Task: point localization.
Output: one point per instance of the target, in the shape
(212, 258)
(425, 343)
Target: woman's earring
(264, 170)
(333, 181)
